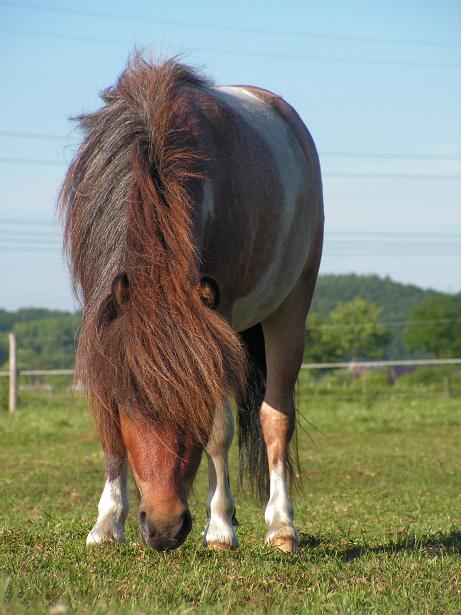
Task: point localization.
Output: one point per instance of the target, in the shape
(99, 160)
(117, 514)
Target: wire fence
(356, 381)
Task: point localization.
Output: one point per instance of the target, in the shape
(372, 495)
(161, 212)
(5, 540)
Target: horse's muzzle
(164, 536)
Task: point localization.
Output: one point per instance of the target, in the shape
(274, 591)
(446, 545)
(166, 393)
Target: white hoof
(283, 538)
(106, 532)
(222, 538)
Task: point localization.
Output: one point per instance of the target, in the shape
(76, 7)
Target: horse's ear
(209, 292)
(120, 290)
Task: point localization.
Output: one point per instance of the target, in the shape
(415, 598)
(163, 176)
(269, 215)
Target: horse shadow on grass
(431, 545)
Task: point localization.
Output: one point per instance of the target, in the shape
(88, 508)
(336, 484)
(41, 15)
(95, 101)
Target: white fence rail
(393, 363)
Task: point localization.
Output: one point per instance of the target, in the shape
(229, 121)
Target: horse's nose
(165, 535)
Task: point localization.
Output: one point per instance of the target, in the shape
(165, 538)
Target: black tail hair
(252, 448)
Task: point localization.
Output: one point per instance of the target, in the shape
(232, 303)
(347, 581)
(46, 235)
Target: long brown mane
(128, 212)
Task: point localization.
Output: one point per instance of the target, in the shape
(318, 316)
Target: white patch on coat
(112, 512)
(207, 208)
(279, 510)
(208, 200)
(290, 251)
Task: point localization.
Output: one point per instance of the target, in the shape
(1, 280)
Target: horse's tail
(252, 448)
(148, 343)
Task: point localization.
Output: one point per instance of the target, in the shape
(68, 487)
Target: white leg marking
(219, 531)
(112, 511)
(279, 510)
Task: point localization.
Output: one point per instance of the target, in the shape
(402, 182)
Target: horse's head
(164, 462)
(164, 459)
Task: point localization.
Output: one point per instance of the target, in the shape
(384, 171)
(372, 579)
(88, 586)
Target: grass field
(378, 520)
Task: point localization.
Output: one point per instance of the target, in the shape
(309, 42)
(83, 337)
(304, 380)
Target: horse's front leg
(113, 504)
(219, 532)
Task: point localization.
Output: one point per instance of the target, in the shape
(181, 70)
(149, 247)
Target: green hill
(395, 299)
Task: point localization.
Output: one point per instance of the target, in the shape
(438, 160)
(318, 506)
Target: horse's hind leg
(219, 532)
(113, 504)
(284, 343)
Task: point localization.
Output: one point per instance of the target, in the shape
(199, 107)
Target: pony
(193, 226)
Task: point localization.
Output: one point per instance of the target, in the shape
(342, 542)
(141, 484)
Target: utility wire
(20, 221)
(333, 175)
(39, 249)
(418, 176)
(126, 17)
(295, 57)
(34, 161)
(330, 153)
(16, 134)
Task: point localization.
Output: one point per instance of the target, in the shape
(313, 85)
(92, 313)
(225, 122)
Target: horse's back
(263, 206)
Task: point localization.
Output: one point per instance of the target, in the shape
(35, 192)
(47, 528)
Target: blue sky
(378, 84)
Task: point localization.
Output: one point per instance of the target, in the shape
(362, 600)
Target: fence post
(363, 378)
(446, 386)
(13, 397)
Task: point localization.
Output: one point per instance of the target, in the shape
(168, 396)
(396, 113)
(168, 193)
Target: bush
(4, 389)
(431, 379)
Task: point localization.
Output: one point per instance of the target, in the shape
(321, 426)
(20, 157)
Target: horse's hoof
(221, 546)
(287, 544)
(96, 537)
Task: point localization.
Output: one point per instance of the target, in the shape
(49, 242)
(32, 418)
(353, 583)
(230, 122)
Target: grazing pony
(193, 224)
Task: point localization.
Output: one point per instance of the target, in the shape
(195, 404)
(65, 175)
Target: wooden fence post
(446, 386)
(13, 397)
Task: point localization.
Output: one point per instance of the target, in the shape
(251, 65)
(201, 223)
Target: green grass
(378, 520)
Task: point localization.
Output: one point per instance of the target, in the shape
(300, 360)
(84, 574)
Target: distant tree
(435, 326)
(352, 331)
(3, 348)
(47, 343)
(320, 347)
(395, 300)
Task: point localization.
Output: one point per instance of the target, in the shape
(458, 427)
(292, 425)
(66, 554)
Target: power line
(26, 221)
(33, 161)
(26, 235)
(397, 234)
(230, 28)
(423, 176)
(15, 134)
(347, 237)
(25, 250)
(360, 244)
(389, 155)
(295, 57)
(345, 240)
(333, 175)
(332, 153)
